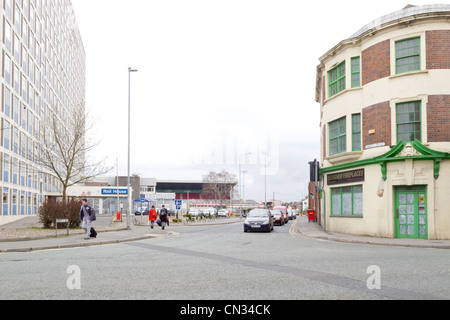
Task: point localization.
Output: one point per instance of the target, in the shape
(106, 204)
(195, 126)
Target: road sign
(178, 204)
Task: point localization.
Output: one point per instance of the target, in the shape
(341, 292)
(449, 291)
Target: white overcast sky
(217, 79)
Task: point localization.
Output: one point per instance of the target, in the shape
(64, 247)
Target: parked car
(195, 212)
(223, 213)
(278, 218)
(259, 220)
(283, 209)
(291, 214)
(142, 211)
(209, 211)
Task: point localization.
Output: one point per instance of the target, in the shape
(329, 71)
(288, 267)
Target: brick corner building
(384, 95)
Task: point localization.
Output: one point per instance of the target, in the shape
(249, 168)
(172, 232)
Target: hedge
(51, 211)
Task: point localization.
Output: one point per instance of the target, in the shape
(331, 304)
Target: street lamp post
(130, 70)
(240, 180)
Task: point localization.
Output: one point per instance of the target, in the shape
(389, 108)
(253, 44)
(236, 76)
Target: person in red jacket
(152, 216)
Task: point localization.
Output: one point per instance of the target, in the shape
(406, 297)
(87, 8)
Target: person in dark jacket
(87, 215)
(163, 216)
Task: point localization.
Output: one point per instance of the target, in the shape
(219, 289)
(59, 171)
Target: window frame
(356, 131)
(408, 56)
(341, 193)
(356, 72)
(415, 122)
(341, 134)
(338, 80)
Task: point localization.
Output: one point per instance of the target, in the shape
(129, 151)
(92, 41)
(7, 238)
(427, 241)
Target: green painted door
(411, 218)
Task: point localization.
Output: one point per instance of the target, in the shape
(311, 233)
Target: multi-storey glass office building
(43, 75)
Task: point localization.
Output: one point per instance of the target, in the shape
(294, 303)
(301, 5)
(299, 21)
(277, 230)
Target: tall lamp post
(240, 180)
(130, 70)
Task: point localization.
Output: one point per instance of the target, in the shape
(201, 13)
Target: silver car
(195, 212)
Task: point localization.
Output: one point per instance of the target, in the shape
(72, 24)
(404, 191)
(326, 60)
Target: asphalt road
(223, 262)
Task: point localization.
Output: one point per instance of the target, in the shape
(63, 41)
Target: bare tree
(221, 184)
(65, 149)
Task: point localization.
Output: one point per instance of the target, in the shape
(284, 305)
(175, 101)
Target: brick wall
(438, 49)
(438, 117)
(377, 117)
(375, 62)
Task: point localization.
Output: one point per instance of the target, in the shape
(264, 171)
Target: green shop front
(404, 193)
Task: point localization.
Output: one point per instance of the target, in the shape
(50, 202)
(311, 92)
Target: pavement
(117, 234)
(314, 231)
(300, 227)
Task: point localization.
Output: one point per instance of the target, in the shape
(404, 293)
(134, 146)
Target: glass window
(407, 55)
(338, 136)
(336, 79)
(8, 41)
(409, 121)
(356, 72)
(347, 201)
(17, 49)
(8, 9)
(15, 143)
(16, 79)
(5, 201)
(14, 171)
(6, 135)
(7, 71)
(7, 103)
(6, 168)
(356, 132)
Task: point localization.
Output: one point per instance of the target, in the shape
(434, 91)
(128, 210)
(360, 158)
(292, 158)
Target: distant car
(223, 213)
(284, 211)
(209, 211)
(259, 220)
(141, 211)
(195, 212)
(278, 218)
(291, 214)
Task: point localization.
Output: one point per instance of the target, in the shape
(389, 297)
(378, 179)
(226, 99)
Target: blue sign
(122, 192)
(178, 204)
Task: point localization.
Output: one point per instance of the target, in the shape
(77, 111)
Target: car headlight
(246, 222)
(265, 222)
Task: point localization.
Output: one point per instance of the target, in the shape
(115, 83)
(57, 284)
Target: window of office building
(6, 167)
(338, 136)
(6, 135)
(347, 201)
(7, 71)
(336, 79)
(407, 55)
(7, 102)
(409, 121)
(5, 201)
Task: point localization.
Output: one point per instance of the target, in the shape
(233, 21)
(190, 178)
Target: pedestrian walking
(152, 216)
(163, 216)
(87, 215)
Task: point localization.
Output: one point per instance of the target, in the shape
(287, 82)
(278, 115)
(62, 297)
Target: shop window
(347, 201)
